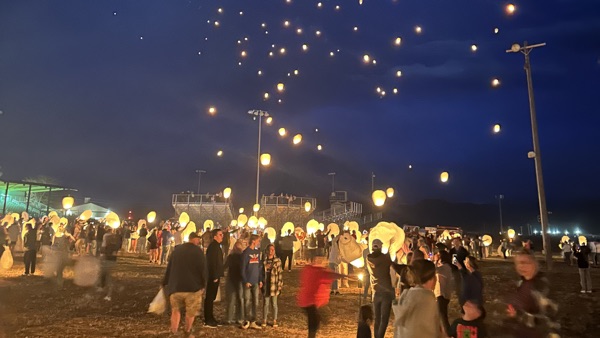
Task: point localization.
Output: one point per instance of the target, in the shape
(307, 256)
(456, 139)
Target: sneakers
(582, 291)
(275, 324)
(211, 325)
(245, 325)
(589, 291)
(255, 326)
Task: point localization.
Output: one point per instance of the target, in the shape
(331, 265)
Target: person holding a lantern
(582, 254)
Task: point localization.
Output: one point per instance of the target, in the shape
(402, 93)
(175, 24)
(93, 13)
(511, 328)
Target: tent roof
(22, 186)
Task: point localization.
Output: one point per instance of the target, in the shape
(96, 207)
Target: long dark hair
(365, 314)
(421, 271)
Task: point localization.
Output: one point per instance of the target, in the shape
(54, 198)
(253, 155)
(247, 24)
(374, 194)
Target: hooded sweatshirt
(251, 266)
(417, 314)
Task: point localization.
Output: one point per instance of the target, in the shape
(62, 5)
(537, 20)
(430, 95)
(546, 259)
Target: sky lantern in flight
(253, 222)
(473, 48)
(496, 128)
(280, 87)
(282, 131)
(256, 207)
(495, 82)
(366, 58)
(319, 147)
(212, 110)
(227, 192)
(307, 206)
(418, 29)
(220, 153)
(444, 177)
(389, 192)
(265, 159)
(379, 197)
(510, 9)
(398, 41)
(67, 202)
(151, 216)
(242, 219)
(297, 139)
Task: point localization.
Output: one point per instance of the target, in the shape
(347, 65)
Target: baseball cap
(376, 244)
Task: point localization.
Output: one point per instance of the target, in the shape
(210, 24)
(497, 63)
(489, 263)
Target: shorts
(191, 300)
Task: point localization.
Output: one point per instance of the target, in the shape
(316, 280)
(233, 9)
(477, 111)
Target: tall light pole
(372, 181)
(332, 181)
(500, 198)
(537, 155)
(260, 114)
(199, 172)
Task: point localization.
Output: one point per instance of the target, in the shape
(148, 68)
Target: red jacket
(315, 284)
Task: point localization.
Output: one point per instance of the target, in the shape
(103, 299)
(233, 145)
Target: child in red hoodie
(315, 282)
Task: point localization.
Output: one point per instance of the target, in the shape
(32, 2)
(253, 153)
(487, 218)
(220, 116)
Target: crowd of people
(416, 283)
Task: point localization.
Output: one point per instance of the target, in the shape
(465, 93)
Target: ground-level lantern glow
(265, 159)
(444, 177)
(307, 206)
(379, 197)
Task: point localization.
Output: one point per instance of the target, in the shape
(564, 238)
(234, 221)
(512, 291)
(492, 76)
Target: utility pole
(537, 155)
(372, 181)
(332, 181)
(500, 198)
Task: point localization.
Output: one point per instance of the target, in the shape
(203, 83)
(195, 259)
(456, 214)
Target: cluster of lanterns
(379, 196)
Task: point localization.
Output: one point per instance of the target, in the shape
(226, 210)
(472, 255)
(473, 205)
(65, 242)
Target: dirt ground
(31, 306)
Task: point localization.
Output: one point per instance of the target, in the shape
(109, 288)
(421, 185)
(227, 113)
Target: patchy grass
(31, 306)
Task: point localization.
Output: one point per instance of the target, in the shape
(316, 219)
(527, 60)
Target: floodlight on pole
(200, 172)
(537, 156)
(332, 181)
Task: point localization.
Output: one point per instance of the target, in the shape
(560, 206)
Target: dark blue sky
(89, 102)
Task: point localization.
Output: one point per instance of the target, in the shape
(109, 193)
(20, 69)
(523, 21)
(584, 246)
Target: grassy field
(30, 306)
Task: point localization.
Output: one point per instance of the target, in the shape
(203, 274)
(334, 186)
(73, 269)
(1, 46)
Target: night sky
(112, 97)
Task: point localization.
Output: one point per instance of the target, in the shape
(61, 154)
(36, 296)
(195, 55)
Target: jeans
(567, 257)
(251, 302)
(106, 280)
(312, 313)
(334, 284)
(286, 255)
(165, 254)
(382, 305)
(235, 300)
(443, 309)
(30, 257)
(268, 300)
(141, 245)
(367, 283)
(585, 279)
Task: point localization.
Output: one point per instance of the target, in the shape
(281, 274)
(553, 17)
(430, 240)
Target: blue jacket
(251, 266)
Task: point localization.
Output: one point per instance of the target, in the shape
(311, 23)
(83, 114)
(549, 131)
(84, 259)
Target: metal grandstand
(33, 197)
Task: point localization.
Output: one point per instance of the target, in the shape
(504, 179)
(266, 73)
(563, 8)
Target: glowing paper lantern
(510, 8)
(565, 239)
(15, 216)
(389, 192)
(391, 235)
(262, 222)
(358, 263)
(444, 177)
(366, 58)
(282, 131)
(189, 229)
(280, 87)
(253, 222)
(495, 83)
(241, 210)
(256, 207)
(333, 229)
(307, 206)
(352, 226)
(473, 48)
(269, 120)
(582, 240)
(242, 220)
(319, 147)
(8, 219)
(151, 217)
(287, 226)
(418, 29)
(184, 218)
(67, 202)
(496, 128)
(487, 240)
(212, 110)
(511, 233)
(297, 139)
(265, 159)
(25, 216)
(55, 220)
(220, 153)
(208, 225)
(398, 41)
(233, 222)
(52, 214)
(85, 215)
(227, 192)
(321, 226)
(312, 226)
(271, 235)
(446, 234)
(112, 220)
(378, 197)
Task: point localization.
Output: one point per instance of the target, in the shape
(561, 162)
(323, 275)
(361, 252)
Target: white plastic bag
(218, 297)
(159, 303)
(6, 261)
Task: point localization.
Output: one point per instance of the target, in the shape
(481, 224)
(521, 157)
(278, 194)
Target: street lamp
(260, 114)
(537, 155)
(199, 172)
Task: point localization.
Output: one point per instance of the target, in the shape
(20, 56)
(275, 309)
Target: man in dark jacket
(214, 258)
(379, 265)
(286, 245)
(184, 282)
